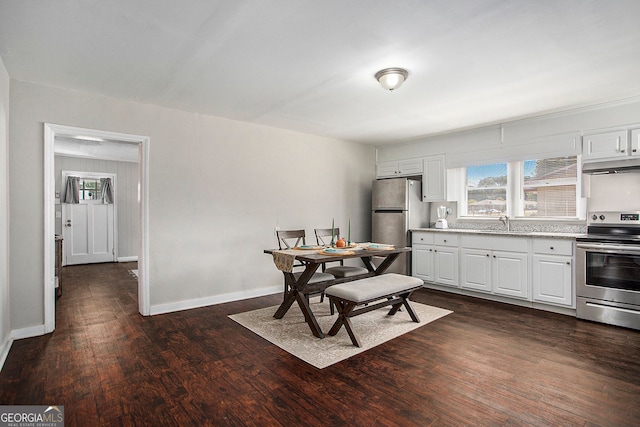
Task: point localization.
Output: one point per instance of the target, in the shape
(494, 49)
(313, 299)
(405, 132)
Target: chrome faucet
(506, 222)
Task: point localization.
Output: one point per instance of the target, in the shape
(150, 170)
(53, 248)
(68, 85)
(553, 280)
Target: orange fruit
(341, 243)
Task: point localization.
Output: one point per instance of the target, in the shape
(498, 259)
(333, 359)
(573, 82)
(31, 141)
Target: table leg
(382, 267)
(308, 315)
(296, 293)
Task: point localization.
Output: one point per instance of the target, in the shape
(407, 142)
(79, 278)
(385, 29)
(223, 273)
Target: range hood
(612, 166)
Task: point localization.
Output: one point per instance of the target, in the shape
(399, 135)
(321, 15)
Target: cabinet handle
(494, 256)
(445, 240)
(551, 247)
(622, 151)
(568, 262)
(487, 255)
(634, 150)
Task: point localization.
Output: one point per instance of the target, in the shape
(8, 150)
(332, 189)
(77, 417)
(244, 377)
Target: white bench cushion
(373, 287)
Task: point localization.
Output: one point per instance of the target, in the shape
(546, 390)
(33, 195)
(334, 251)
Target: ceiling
(308, 65)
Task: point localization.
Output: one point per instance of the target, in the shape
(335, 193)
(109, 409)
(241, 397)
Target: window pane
(487, 190)
(90, 189)
(550, 187)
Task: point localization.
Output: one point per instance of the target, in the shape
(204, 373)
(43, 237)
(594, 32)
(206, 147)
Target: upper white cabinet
(434, 183)
(393, 168)
(609, 145)
(635, 142)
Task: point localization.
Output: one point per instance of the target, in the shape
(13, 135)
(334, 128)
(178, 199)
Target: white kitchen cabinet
(609, 145)
(407, 167)
(422, 256)
(532, 268)
(445, 262)
(553, 272)
(434, 183)
(435, 257)
(509, 274)
(496, 265)
(475, 269)
(635, 142)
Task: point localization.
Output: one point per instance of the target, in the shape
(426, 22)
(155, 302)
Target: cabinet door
(422, 262)
(410, 167)
(635, 142)
(509, 274)
(475, 269)
(433, 179)
(446, 265)
(552, 279)
(386, 169)
(605, 145)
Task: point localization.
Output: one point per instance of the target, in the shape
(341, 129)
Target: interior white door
(88, 226)
(88, 232)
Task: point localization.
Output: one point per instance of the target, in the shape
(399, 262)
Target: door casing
(50, 133)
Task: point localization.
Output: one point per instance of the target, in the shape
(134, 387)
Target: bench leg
(405, 302)
(344, 310)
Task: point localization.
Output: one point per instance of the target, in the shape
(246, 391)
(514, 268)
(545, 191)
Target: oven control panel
(614, 217)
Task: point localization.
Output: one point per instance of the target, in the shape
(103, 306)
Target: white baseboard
(32, 331)
(218, 299)
(4, 350)
(127, 258)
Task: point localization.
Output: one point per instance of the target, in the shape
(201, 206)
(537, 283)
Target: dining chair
(289, 239)
(323, 238)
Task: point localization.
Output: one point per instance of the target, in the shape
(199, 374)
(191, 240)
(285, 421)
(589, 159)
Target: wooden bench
(393, 289)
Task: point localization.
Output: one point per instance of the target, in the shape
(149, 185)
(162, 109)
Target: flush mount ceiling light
(391, 78)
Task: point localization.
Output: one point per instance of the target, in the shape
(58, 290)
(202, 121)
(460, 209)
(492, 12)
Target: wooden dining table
(299, 288)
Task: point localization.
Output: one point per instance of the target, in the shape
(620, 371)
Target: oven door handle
(625, 249)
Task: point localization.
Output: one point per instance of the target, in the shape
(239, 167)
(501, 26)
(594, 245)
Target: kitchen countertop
(545, 234)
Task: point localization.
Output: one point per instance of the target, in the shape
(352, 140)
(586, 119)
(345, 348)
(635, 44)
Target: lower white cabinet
(553, 272)
(509, 273)
(434, 258)
(445, 260)
(475, 269)
(422, 262)
(535, 269)
(498, 272)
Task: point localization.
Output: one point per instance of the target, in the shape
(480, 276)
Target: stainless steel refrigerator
(397, 207)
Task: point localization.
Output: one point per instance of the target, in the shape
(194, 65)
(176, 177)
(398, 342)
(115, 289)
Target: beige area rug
(292, 334)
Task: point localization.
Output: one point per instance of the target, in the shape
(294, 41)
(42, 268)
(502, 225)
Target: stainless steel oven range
(608, 269)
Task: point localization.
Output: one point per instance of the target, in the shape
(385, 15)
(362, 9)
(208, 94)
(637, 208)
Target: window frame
(515, 196)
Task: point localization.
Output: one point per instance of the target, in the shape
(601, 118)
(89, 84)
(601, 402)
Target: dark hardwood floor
(487, 364)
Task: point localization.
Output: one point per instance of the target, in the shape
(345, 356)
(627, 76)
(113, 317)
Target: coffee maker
(441, 222)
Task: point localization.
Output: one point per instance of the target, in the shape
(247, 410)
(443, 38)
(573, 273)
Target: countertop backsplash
(494, 224)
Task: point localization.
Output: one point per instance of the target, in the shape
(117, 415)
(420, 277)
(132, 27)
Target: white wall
(126, 197)
(5, 325)
(217, 189)
(614, 192)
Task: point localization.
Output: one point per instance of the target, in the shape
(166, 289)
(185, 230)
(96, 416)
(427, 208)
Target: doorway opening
(96, 140)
